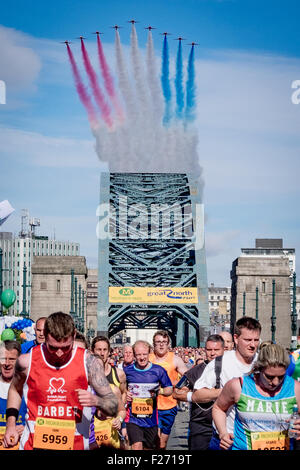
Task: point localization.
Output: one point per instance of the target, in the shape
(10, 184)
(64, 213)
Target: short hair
(246, 322)
(40, 318)
(100, 338)
(12, 344)
(216, 339)
(59, 325)
(127, 345)
(162, 333)
(271, 355)
(140, 341)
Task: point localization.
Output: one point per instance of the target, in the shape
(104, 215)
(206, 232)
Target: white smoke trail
(142, 143)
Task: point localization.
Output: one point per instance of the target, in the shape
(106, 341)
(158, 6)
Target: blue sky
(248, 127)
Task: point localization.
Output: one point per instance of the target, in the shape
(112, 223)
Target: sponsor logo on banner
(156, 295)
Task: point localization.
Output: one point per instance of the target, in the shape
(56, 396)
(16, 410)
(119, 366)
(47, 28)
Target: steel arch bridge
(151, 260)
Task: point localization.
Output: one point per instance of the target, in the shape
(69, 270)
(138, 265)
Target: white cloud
(19, 64)
(41, 150)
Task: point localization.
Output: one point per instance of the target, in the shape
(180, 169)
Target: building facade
(17, 260)
(261, 289)
(52, 282)
(219, 299)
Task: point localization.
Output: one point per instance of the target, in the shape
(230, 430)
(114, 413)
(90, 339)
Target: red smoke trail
(108, 81)
(94, 84)
(84, 97)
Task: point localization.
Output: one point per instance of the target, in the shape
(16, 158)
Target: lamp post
(83, 309)
(90, 332)
(1, 279)
(24, 312)
(273, 318)
(72, 292)
(256, 303)
(79, 308)
(294, 317)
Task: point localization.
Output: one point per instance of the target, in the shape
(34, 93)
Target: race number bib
(105, 434)
(273, 440)
(54, 434)
(142, 406)
(102, 431)
(2, 432)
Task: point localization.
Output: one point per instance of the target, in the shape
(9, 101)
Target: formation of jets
(116, 27)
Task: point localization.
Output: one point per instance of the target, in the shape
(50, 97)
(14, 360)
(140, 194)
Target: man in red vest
(54, 379)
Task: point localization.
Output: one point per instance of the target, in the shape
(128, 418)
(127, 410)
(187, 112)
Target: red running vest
(50, 393)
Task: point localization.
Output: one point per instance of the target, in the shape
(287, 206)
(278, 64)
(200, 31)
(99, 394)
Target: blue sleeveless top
(260, 422)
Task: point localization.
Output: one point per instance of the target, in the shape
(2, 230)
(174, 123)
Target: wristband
(12, 412)
(189, 397)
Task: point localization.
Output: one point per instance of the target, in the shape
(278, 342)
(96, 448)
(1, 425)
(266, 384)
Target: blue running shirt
(143, 408)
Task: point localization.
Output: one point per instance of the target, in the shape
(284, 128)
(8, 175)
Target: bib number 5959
(54, 439)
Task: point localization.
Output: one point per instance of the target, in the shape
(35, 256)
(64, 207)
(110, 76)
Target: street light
(256, 303)
(294, 317)
(90, 332)
(24, 312)
(273, 317)
(1, 278)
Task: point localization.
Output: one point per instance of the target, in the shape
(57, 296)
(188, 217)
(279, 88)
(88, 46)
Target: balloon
(7, 334)
(8, 298)
(23, 335)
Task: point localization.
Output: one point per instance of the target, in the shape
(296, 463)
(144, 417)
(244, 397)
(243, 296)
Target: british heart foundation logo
(56, 386)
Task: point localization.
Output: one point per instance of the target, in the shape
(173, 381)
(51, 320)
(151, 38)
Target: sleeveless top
(260, 422)
(101, 431)
(113, 378)
(52, 403)
(166, 403)
(4, 386)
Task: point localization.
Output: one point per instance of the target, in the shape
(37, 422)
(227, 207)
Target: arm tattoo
(107, 401)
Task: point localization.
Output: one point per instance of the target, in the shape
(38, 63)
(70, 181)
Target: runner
(264, 402)
(146, 382)
(128, 356)
(294, 371)
(106, 431)
(228, 340)
(39, 336)
(174, 365)
(54, 378)
(200, 423)
(235, 363)
(9, 353)
(115, 376)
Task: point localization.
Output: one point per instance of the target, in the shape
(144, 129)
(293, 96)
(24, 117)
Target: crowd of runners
(60, 393)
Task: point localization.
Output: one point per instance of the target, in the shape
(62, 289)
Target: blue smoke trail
(190, 112)
(179, 83)
(165, 81)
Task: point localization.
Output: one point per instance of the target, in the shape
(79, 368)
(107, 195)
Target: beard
(57, 361)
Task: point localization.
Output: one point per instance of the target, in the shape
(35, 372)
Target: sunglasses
(62, 348)
(272, 377)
